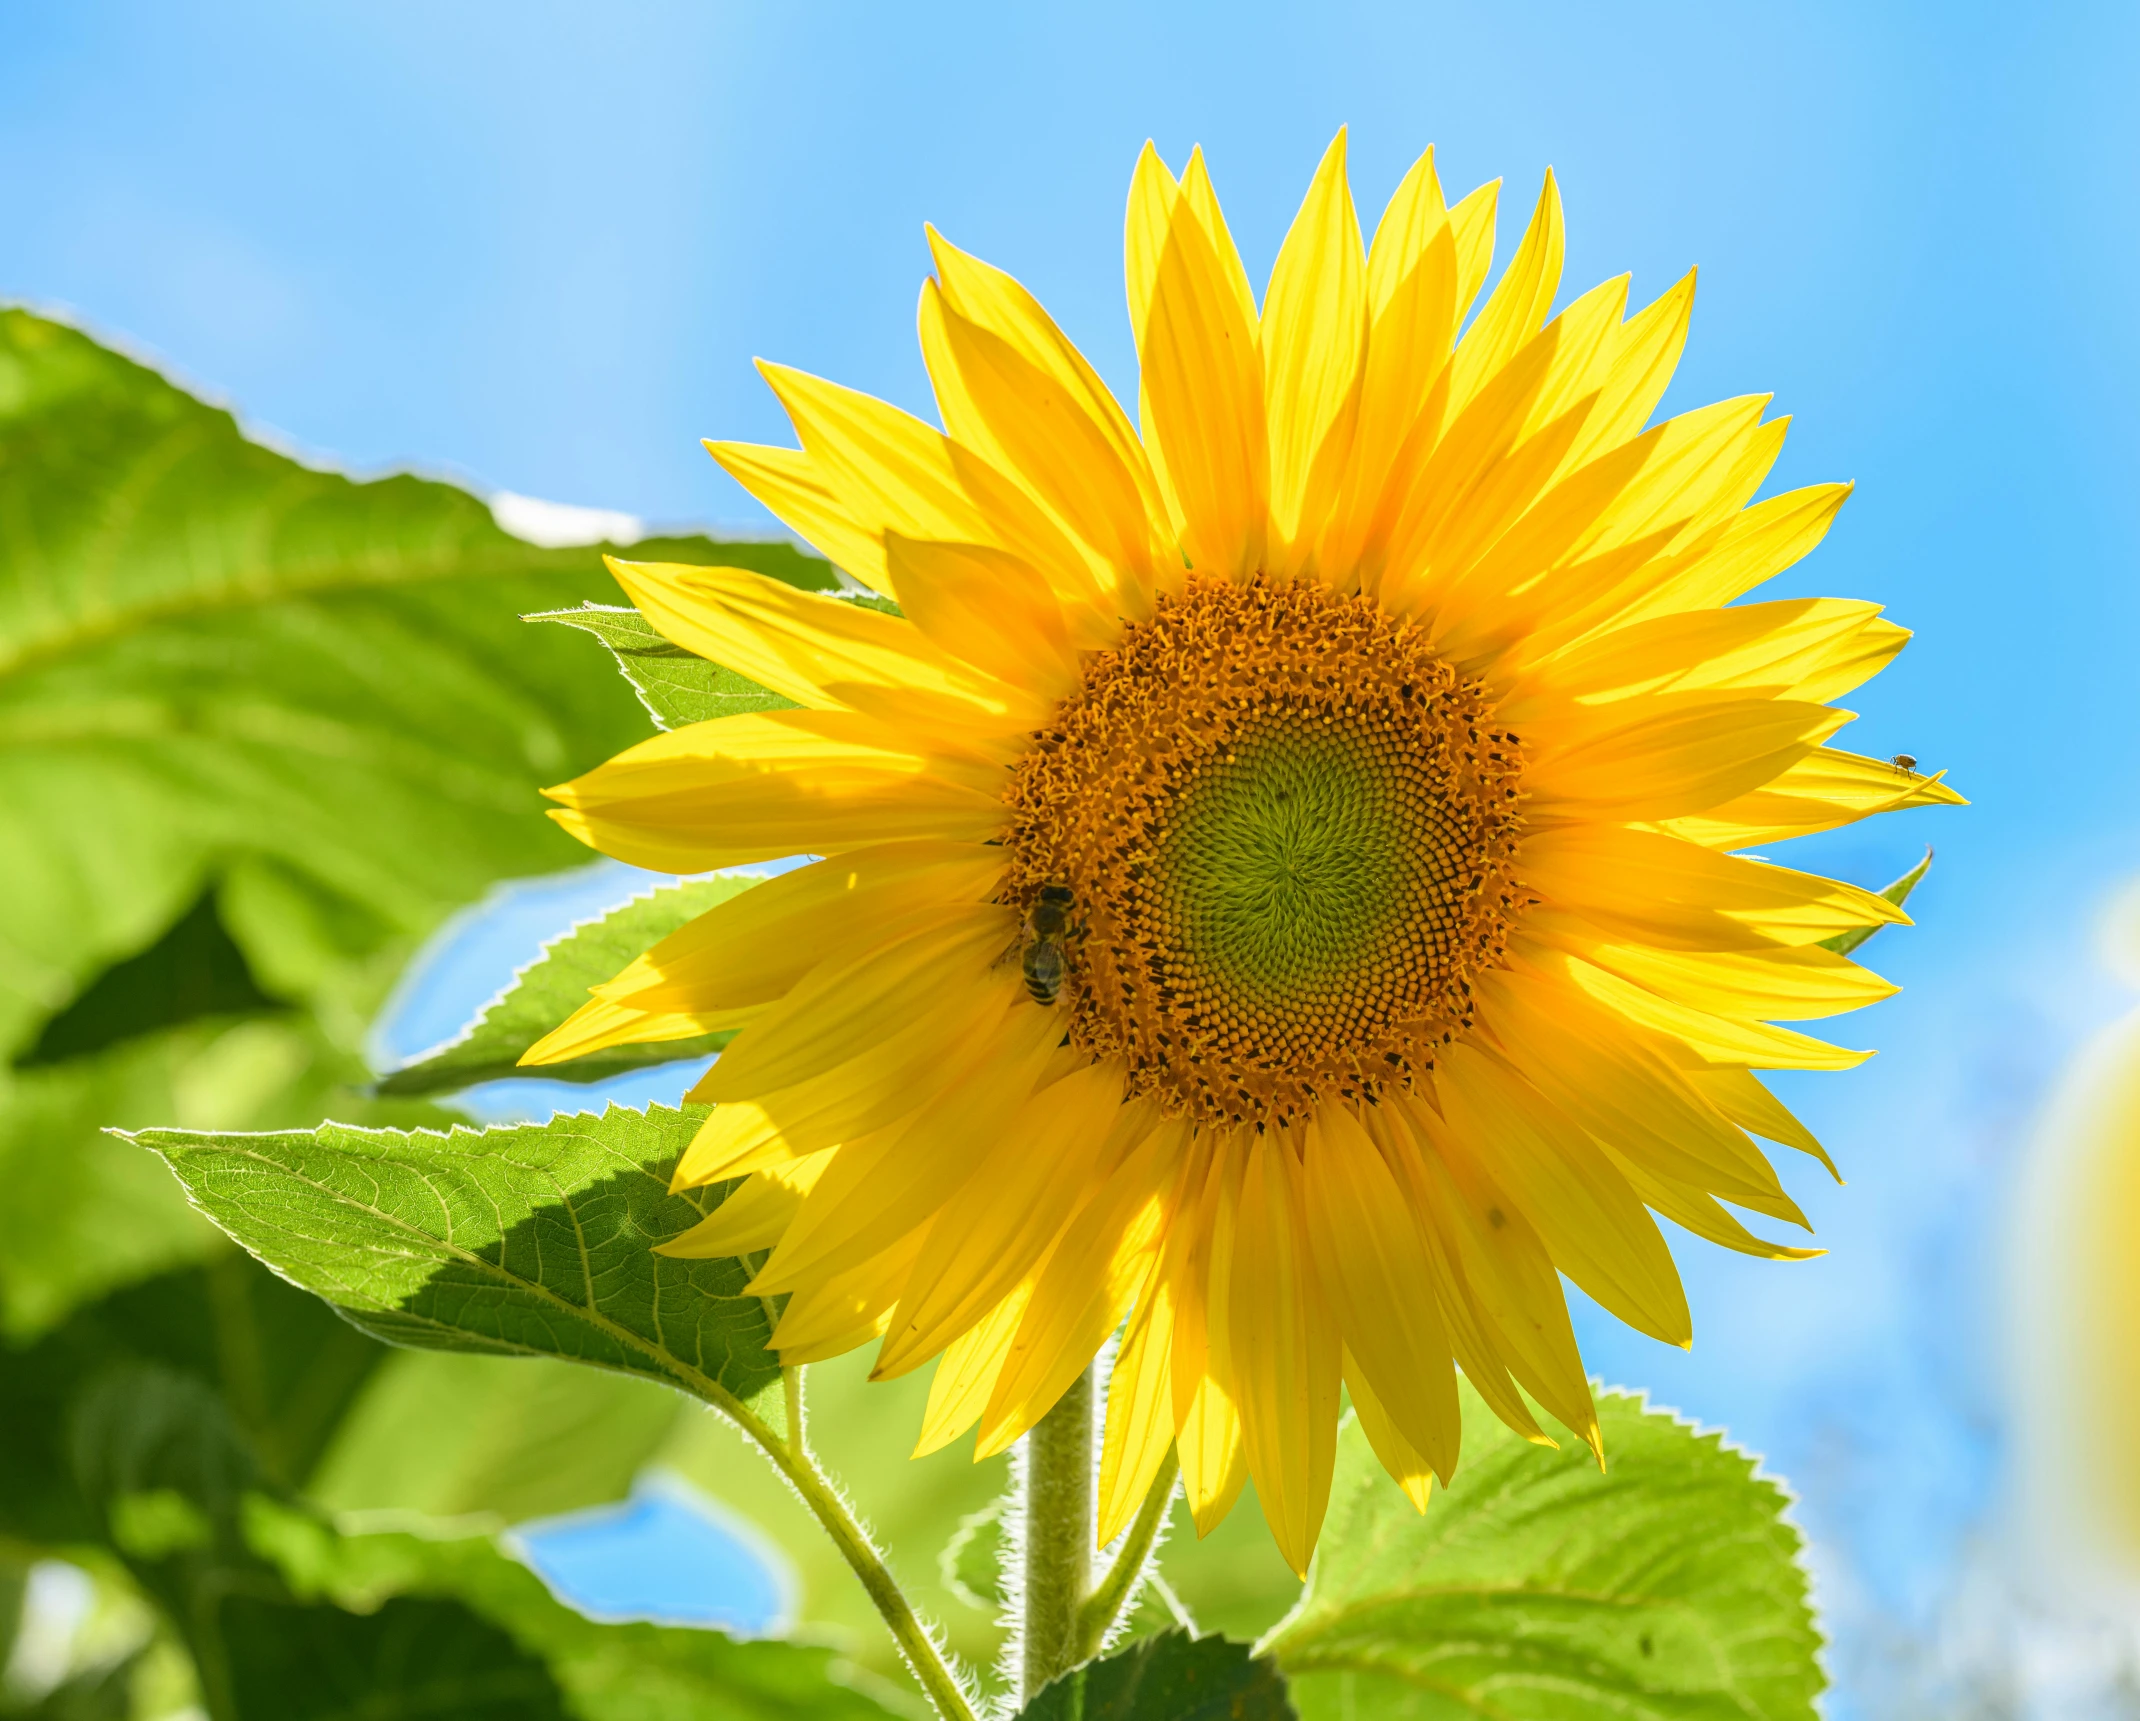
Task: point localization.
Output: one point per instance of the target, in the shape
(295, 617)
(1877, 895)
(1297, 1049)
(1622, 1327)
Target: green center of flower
(1286, 828)
(1288, 868)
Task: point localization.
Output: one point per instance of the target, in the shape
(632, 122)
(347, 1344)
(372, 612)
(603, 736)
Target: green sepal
(1898, 893)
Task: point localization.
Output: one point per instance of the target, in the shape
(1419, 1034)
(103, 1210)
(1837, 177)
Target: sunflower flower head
(1281, 901)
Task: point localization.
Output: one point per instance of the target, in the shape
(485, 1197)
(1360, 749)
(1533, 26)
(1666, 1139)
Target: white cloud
(559, 525)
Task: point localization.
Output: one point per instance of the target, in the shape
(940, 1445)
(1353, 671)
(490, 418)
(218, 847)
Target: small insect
(1905, 762)
(1047, 922)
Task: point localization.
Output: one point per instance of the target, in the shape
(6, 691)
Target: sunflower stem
(792, 1458)
(1119, 1587)
(1057, 1537)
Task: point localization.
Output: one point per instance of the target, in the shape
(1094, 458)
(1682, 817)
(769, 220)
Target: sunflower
(1279, 899)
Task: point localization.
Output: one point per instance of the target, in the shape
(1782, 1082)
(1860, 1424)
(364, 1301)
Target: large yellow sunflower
(1380, 725)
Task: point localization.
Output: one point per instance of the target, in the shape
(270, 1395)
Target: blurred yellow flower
(1376, 726)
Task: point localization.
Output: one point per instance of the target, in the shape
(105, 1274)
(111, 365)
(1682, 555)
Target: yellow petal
(1153, 193)
(1214, 1467)
(1644, 353)
(1140, 1413)
(789, 482)
(1202, 383)
(1661, 890)
(1282, 1346)
(1412, 289)
(1739, 1095)
(845, 1309)
(1804, 648)
(995, 1231)
(991, 610)
(1103, 1261)
(1202, 201)
(874, 1089)
(892, 472)
(755, 1213)
(1474, 1339)
(1759, 544)
(1622, 1093)
(764, 785)
(1827, 789)
(1314, 336)
(901, 1188)
(811, 648)
(876, 991)
(1699, 1037)
(1508, 1279)
(967, 1373)
(1432, 480)
(1029, 402)
(600, 1024)
(1671, 755)
(1399, 1456)
(1701, 1214)
(1516, 309)
(1373, 1266)
(1598, 1232)
(1792, 985)
(754, 947)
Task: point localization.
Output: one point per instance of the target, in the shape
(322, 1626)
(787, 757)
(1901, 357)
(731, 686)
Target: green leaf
(1898, 893)
(501, 1439)
(1536, 1589)
(195, 970)
(213, 656)
(676, 686)
(528, 1241)
(555, 984)
(1169, 1677)
(262, 728)
(85, 1212)
(607, 1672)
(273, 1367)
(410, 1658)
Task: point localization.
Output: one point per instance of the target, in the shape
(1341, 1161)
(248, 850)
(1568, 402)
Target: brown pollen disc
(1287, 829)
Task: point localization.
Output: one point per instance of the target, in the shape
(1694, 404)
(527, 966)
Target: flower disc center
(1286, 827)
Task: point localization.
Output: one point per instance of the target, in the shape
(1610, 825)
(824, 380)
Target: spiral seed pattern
(1289, 833)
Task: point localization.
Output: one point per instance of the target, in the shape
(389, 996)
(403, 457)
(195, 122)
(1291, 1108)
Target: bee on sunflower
(1373, 730)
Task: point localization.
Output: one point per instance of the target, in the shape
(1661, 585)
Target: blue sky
(537, 246)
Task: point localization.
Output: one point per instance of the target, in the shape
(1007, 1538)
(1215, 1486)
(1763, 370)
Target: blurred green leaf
(1233, 1580)
(262, 728)
(1536, 1589)
(1898, 893)
(1169, 1677)
(607, 1672)
(271, 1370)
(535, 1240)
(676, 686)
(196, 969)
(500, 1438)
(555, 984)
(411, 1657)
(208, 650)
(87, 1212)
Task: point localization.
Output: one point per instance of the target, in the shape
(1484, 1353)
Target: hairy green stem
(1104, 1606)
(791, 1457)
(1057, 1536)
